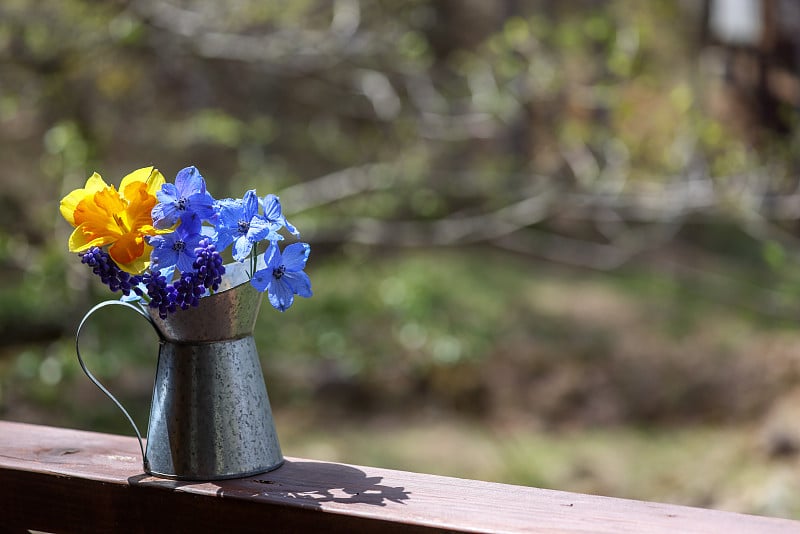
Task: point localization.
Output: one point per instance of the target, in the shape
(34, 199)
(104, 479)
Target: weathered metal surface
(210, 417)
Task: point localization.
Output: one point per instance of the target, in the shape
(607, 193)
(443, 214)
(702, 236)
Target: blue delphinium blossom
(283, 277)
(274, 214)
(241, 224)
(176, 248)
(185, 200)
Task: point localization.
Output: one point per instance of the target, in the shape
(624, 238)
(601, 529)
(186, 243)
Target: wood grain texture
(61, 480)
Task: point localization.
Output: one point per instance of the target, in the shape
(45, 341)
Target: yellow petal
(150, 176)
(95, 183)
(138, 213)
(106, 204)
(137, 266)
(155, 182)
(130, 253)
(81, 239)
(70, 202)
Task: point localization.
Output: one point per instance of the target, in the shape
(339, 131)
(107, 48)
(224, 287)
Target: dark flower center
(279, 272)
(244, 226)
(179, 246)
(181, 203)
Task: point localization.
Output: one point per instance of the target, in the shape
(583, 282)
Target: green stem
(253, 260)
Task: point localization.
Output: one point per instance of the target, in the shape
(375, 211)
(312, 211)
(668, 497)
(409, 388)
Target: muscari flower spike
(283, 277)
(109, 272)
(208, 265)
(161, 294)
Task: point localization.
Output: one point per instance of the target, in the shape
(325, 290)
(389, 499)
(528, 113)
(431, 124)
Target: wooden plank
(62, 480)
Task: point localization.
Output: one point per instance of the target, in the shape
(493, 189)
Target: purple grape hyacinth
(208, 265)
(110, 274)
(162, 295)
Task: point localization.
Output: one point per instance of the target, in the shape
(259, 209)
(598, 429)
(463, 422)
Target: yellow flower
(103, 216)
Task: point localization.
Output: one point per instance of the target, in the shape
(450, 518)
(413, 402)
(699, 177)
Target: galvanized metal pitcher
(210, 416)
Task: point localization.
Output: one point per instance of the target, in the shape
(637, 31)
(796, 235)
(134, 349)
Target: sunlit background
(553, 243)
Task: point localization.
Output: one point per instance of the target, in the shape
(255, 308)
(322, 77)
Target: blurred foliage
(433, 153)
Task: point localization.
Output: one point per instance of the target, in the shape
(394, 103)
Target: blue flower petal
(229, 208)
(163, 254)
(241, 248)
(295, 256)
(166, 212)
(203, 205)
(299, 282)
(187, 257)
(190, 224)
(274, 214)
(272, 257)
(223, 238)
(258, 230)
(262, 279)
(289, 226)
(280, 295)
(250, 204)
(189, 181)
(167, 193)
(272, 208)
(185, 263)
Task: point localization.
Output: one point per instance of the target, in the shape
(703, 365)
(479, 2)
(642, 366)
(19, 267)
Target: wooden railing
(60, 480)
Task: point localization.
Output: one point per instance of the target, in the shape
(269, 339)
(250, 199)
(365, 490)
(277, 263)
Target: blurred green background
(554, 243)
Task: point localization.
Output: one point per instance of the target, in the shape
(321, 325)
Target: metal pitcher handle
(97, 382)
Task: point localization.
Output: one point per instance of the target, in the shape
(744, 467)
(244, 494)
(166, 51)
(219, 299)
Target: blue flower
(283, 277)
(186, 200)
(177, 248)
(240, 224)
(273, 214)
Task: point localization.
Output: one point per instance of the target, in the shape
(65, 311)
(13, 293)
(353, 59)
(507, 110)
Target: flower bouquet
(161, 244)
